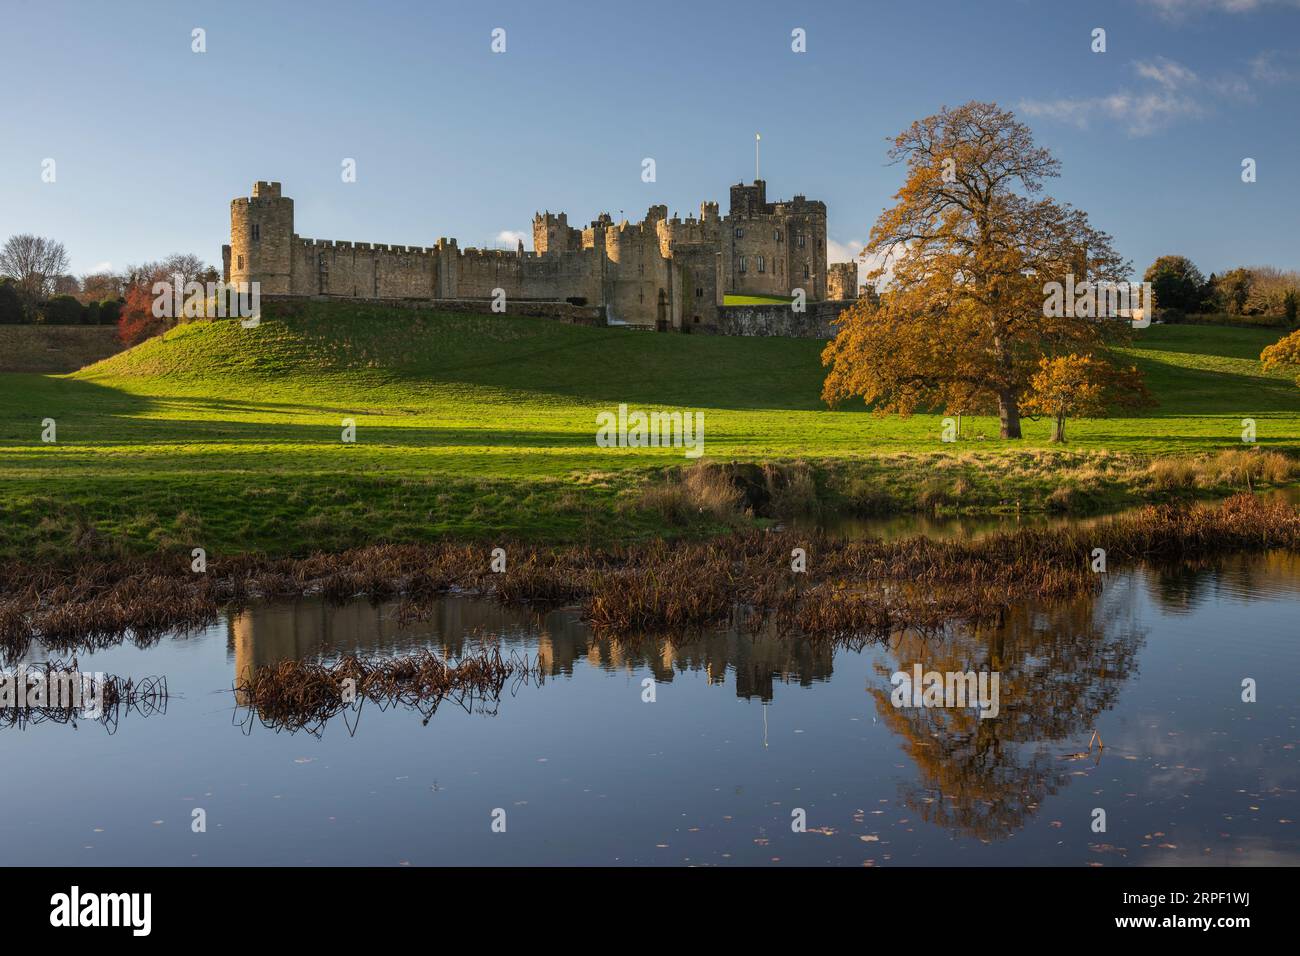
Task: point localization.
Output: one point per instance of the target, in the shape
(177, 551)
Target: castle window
(744, 265)
(257, 232)
(802, 240)
(699, 292)
(740, 233)
(241, 262)
(762, 264)
(640, 296)
(776, 234)
(805, 270)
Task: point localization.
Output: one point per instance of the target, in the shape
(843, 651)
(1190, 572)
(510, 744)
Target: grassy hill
(484, 426)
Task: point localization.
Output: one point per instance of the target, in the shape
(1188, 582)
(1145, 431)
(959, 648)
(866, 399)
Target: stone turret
(261, 238)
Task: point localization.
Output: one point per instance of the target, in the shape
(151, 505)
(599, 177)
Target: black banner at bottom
(339, 905)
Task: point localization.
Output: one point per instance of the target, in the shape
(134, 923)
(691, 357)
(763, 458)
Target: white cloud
(511, 238)
(1274, 66)
(843, 251)
(1171, 92)
(1176, 9)
(100, 267)
(1166, 72)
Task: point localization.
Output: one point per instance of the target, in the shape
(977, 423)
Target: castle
(658, 273)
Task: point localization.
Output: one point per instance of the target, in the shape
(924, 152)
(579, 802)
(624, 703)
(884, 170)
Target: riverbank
(810, 584)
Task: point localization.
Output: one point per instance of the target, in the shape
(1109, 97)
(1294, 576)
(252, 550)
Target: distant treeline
(35, 287)
(55, 310)
(1247, 295)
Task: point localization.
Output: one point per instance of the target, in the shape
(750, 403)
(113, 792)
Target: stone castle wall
(780, 320)
(559, 311)
(661, 272)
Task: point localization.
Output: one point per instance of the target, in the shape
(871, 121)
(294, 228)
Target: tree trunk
(1058, 428)
(1009, 415)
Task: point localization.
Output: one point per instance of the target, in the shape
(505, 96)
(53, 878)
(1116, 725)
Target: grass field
(732, 299)
(482, 426)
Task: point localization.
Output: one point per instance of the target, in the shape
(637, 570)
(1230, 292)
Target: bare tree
(34, 263)
(187, 265)
(97, 286)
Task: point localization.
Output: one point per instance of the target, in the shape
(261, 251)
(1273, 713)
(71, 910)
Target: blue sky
(151, 140)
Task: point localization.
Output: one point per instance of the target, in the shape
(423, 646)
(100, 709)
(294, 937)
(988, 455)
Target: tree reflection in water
(1060, 668)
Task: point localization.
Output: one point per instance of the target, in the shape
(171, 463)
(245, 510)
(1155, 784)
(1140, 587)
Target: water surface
(743, 730)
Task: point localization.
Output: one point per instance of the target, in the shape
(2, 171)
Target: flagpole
(757, 137)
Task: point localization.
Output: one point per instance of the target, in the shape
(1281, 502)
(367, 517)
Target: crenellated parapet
(664, 269)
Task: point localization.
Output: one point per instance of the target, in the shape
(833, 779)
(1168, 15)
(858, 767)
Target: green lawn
(482, 426)
(733, 299)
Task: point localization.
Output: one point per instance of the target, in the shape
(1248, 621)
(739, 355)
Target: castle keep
(659, 273)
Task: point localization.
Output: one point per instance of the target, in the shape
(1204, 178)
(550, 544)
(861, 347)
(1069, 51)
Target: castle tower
(261, 238)
(842, 281)
(552, 233)
(749, 201)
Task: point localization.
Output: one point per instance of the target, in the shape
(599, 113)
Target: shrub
(60, 310)
(11, 304)
(110, 310)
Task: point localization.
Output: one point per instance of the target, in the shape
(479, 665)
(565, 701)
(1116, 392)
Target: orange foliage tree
(1284, 353)
(137, 321)
(965, 254)
(1081, 385)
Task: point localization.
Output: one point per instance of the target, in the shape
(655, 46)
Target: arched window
(762, 264)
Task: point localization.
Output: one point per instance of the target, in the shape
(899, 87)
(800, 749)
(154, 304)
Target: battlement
(343, 244)
(665, 271)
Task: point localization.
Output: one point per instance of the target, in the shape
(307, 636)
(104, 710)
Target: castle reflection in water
(314, 629)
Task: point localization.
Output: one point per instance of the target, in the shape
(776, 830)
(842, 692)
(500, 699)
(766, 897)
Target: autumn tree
(1081, 385)
(968, 250)
(137, 321)
(98, 286)
(1232, 290)
(1282, 354)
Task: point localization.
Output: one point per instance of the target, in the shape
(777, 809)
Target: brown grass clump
(700, 490)
(115, 696)
(298, 695)
(655, 587)
(1244, 468)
